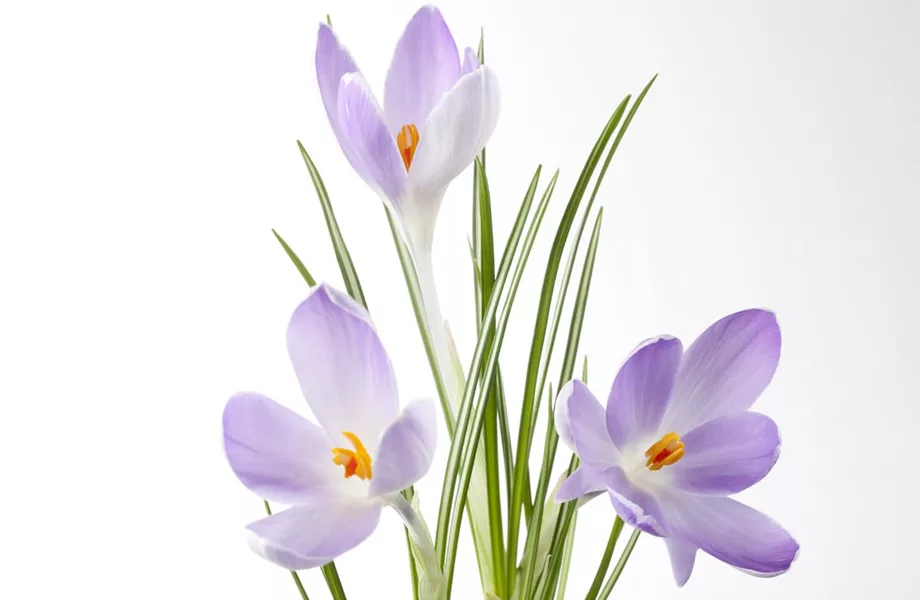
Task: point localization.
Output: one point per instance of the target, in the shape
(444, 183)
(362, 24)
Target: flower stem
(429, 583)
(605, 560)
(297, 582)
(621, 564)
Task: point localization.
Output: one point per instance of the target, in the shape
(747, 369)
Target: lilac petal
(373, 151)
(275, 452)
(580, 422)
(425, 66)
(470, 62)
(343, 369)
(634, 505)
(333, 61)
(727, 455)
(456, 131)
(725, 369)
(585, 481)
(641, 391)
(683, 556)
(406, 449)
(732, 532)
(304, 537)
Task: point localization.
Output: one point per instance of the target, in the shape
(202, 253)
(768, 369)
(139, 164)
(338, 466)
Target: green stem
(605, 560)
(621, 564)
(297, 582)
(331, 574)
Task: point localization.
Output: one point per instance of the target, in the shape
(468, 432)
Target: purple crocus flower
(438, 113)
(677, 439)
(336, 476)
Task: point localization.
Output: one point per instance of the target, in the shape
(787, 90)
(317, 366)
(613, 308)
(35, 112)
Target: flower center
(407, 142)
(357, 461)
(666, 451)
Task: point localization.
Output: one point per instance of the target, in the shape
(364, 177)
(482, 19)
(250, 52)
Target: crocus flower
(337, 475)
(438, 113)
(677, 439)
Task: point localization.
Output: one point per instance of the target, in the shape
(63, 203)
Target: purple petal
(634, 505)
(683, 556)
(585, 481)
(580, 422)
(425, 66)
(373, 151)
(641, 391)
(725, 369)
(727, 455)
(333, 61)
(343, 369)
(275, 452)
(456, 131)
(732, 532)
(470, 62)
(406, 449)
(310, 536)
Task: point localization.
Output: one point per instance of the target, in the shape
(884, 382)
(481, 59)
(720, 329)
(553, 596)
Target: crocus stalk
(677, 439)
(337, 475)
(438, 113)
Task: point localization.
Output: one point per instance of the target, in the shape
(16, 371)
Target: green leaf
(525, 431)
(484, 250)
(347, 268)
(552, 439)
(472, 416)
(605, 559)
(296, 260)
(621, 564)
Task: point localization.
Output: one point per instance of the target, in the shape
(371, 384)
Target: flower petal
(727, 455)
(456, 131)
(641, 391)
(725, 369)
(634, 505)
(580, 422)
(683, 556)
(585, 481)
(373, 151)
(470, 61)
(343, 369)
(333, 61)
(275, 452)
(732, 532)
(406, 449)
(425, 66)
(310, 536)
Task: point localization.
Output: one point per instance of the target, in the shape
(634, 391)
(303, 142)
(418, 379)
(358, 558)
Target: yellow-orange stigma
(407, 142)
(357, 461)
(666, 451)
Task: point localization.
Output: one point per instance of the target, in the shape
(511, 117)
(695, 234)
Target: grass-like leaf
(463, 453)
(296, 260)
(552, 439)
(349, 275)
(525, 430)
(621, 564)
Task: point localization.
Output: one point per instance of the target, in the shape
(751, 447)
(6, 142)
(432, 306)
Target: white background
(146, 149)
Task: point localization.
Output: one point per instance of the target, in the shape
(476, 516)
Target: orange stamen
(666, 451)
(357, 461)
(407, 142)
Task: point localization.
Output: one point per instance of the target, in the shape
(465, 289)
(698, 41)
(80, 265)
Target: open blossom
(438, 113)
(336, 475)
(677, 439)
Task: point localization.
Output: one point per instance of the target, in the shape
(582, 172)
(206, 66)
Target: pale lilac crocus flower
(438, 113)
(677, 439)
(337, 475)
